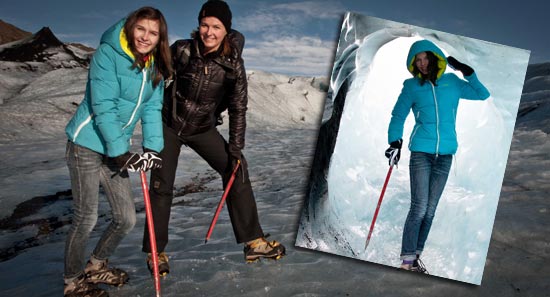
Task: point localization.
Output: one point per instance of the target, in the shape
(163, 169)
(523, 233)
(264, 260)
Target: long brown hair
(162, 66)
(433, 69)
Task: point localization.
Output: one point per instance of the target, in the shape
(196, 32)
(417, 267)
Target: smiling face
(146, 35)
(421, 61)
(212, 33)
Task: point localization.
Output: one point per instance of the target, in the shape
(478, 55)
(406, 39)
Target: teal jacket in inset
(116, 97)
(434, 107)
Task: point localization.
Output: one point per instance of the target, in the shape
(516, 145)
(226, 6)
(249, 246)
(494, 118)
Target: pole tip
(205, 241)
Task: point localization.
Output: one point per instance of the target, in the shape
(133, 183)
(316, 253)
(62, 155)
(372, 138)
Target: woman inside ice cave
(433, 97)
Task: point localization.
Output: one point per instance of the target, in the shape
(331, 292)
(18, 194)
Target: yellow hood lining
(126, 49)
(441, 63)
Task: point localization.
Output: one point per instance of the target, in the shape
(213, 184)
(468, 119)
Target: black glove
(393, 153)
(131, 162)
(153, 159)
(235, 155)
(465, 69)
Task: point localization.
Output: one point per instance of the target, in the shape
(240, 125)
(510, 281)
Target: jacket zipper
(201, 81)
(195, 98)
(436, 120)
(144, 71)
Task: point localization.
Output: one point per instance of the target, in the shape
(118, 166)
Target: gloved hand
(131, 162)
(393, 153)
(465, 69)
(235, 155)
(154, 161)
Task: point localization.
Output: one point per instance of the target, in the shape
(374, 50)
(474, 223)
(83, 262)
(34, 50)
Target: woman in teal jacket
(125, 84)
(433, 97)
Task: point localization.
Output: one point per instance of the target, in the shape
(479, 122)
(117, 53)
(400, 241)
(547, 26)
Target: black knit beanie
(218, 9)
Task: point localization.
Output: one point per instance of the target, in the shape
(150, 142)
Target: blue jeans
(89, 169)
(428, 176)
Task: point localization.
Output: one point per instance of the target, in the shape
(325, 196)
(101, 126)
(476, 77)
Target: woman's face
(212, 32)
(421, 61)
(146, 35)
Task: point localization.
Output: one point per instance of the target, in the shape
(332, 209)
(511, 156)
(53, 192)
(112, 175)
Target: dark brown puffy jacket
(205, 87)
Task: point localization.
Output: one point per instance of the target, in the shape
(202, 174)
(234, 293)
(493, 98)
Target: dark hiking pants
(213, 148)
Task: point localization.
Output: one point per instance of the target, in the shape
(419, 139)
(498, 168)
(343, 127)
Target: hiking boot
(80, 287)
(419, 266)
(164, 267)
(102, 273)
(260, 247)
(416, 266)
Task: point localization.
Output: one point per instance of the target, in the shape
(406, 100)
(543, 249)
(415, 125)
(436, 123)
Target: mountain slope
(535, 100)
(9, 33)
(24, 60)
(43, 106)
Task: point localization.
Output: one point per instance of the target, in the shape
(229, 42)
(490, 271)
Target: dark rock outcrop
(42, 47)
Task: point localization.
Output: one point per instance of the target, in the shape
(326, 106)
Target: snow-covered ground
(37, 207)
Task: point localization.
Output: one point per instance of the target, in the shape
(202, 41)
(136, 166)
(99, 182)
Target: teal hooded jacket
(434, 106)
(116, 97)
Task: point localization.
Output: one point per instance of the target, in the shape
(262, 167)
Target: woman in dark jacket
(210, 77)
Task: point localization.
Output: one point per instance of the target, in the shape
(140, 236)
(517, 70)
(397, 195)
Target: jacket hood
(116, 38)
(426, 46)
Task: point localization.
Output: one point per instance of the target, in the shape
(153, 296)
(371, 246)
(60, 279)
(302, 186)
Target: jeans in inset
(428, 176)
(89, 169)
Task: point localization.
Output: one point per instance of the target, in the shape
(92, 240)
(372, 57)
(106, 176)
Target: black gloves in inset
(393, 153)
(465, 69)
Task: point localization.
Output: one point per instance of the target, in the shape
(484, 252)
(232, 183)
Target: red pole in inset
(220, 205)
(378, 206)
(151, 228)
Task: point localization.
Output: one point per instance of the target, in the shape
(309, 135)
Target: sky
(297, 37)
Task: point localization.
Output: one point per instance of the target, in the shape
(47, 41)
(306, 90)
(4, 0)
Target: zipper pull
(205, 69)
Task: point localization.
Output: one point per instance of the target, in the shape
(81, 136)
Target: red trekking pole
(378, 206)
(220, 205)
(151, 228)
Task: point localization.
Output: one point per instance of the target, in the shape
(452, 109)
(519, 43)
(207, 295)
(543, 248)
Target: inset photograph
(412, 148)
